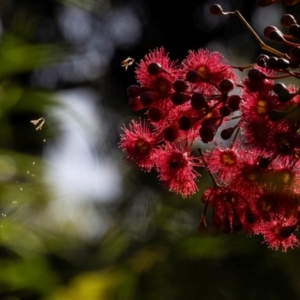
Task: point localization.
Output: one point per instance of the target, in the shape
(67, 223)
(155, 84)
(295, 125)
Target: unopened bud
(291, 2)
(234, 102)
(135, 104)
(216, 9)
(207, 133)
(256, 75)
(226, 85)
(185, 123)
(294, 30)
(171, 133)
(155, 114)
(287, 20)
(227, 133)
(225, 110)
(264, 3)
(154, 68)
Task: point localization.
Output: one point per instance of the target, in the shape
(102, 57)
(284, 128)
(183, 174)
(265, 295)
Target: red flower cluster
(256, 178)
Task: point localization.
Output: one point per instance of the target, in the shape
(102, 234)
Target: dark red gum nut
(225, 227)
(237, 225)
(287, 20)
(154, 68)
(135, 104)
(199, 101)
(291, 2)
(227, 133)
(294, 30)
(171, 133)
(216, 9)
(185, 123)
(249, 216)
(192, 76)
(264, 3)
(180, 86)
(207, 133)
(225, 110)
(155, 114)
(179, 98)
(256, 75)
(286, 231)
(268, 30)
(147, 98)
(276, 36)
(226, 85)
(234, 102)
(135, 91)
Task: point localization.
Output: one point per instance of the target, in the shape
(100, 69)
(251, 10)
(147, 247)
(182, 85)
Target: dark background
(65, 234)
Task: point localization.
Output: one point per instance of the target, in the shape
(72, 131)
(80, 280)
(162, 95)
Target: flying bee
(127, 62)
(38, 123)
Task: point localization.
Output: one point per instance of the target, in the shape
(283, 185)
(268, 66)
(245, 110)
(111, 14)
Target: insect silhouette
(127, 62)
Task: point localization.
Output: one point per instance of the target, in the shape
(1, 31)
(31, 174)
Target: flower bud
(264, 3)
(291, 2)
(154, 68)
(171, 133)
(226, 85)
(234, 102)
(192, 76)
(276, 36)
(286, 231)
(227, 133)
(216, 9)
(268, 30)
(256, 75)
(179, 98)
(262, 60)
(225, 110)
(147, 98)
(237, 225)
(287, 20)
(185, 123)
(199, 101)
(135, 91)
(294, 30)
(155, 114)
(180, 86)
(135, 104)
(207, 133)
